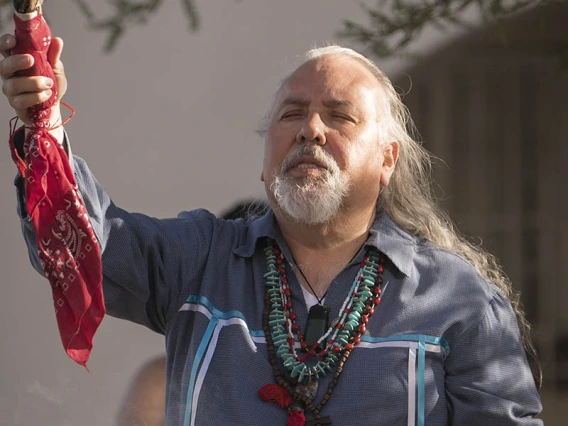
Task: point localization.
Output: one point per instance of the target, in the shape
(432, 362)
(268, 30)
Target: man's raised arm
(145, 260)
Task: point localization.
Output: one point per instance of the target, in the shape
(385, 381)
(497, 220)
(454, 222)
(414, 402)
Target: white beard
(311, 200)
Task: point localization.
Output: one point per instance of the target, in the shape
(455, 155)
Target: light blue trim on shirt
(196, 363)
(410, 337)
(420, 382)
(203, 301)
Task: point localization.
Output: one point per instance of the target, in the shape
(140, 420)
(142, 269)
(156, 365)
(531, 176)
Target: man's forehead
(333, 67)
(337, 80)
(329, 102)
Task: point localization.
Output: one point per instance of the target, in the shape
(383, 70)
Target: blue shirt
(443, 347)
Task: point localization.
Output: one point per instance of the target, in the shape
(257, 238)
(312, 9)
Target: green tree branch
(125, 14)
(394, 24)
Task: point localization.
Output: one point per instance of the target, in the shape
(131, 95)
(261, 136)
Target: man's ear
(390, 157)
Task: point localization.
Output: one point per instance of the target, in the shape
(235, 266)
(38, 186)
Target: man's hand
(24, 92)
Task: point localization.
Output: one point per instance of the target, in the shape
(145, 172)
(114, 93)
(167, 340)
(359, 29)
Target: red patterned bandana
(67, 246)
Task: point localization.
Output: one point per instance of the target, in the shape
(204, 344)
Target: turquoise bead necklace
(363, 296)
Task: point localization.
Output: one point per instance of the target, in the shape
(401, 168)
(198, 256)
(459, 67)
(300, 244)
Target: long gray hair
(410, 199)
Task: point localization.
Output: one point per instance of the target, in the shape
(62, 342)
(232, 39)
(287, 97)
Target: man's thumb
(54, 52)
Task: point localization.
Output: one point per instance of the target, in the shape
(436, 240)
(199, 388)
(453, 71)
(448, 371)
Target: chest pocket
(229, 366)
(422, 357)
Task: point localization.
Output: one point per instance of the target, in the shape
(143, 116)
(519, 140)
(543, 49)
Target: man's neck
(341, 230)
(323, 251)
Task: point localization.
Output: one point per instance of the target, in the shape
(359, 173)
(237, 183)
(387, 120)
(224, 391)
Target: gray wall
(167, 124)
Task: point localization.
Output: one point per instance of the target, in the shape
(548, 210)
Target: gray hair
(409, 199)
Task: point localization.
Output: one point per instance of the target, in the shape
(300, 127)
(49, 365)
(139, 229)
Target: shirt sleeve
(149, 264)
(488, 379)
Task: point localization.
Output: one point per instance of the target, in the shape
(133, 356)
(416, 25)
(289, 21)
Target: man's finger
(18, 85)
(10, 65)
(7, 43)
(26, 100)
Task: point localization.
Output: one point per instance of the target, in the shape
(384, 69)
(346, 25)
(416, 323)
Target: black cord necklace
(309, 285)
(318, 315)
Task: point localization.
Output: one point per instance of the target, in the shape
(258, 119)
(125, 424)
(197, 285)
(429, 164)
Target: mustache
(318, 154)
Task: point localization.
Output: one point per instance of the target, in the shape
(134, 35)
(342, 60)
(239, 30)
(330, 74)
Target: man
(352, 301)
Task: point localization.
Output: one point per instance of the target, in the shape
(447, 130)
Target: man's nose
(312, 130)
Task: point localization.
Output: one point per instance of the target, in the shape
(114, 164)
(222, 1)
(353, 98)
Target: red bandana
(67, 246)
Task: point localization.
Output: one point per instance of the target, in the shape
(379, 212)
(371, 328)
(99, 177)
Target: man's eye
(291, 114)
(342, 117)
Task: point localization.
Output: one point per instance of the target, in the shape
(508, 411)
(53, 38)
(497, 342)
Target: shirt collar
(385, 235)
(398, 245)
(258, 227)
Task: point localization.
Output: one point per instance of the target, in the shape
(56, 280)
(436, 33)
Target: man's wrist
(56, 125)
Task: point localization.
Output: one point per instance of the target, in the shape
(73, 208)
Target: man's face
(322, 150)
